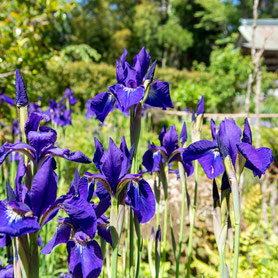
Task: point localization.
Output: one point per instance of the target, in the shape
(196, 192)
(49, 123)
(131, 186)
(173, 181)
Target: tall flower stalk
(135, 87)
(196, 134)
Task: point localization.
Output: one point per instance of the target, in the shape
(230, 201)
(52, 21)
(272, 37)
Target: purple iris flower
(257, 160)
(41, 144)
(130, 89)
(69, 95)
(89, 113)
(79, 228)
(59, 113)
(7, 271)
(207, 152)
(168, 151)
(113, 166)
(21, 211)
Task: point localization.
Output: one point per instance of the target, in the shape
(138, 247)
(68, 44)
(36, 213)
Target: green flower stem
(138, 246)
(184, 186)
(23, 255)
(114, 262)
(192, 215)
(34, 256)
(236, 204)
(135, 129)
(164, 180)
(131, 242)
(115, 237)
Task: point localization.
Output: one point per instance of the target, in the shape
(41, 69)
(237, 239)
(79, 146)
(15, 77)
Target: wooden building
(266, 35)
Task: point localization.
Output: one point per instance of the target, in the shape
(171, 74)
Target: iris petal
(141, 199)
(126, 96)
(85, 260)
(62, 235)
(212, 164)
(44, 188)
(102, 104)
(13, 221)
(159, 95)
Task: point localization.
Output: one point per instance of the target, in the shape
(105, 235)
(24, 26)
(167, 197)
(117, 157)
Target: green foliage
(173, 37)
(223, 82)
(82, 52)
(259, 244)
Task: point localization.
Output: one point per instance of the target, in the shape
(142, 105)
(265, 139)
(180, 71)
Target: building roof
(265, 28)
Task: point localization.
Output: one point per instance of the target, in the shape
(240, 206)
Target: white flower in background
(18, 31)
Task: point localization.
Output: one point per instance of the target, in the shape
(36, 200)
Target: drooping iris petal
(7, 149)
(201, 106)
(141, 64)
(84, 257)
(151, 161)
(183, 135)
(16, 219)
(44, 188)
(198, 149)
(82, 214)
(21, 95)
(71, 156)
(102, 104)
(230, 134)
(159, 95)
(141, 199)
(257, 160)
(126, 96)
(247, 134)
(212, 164)
(171, 140)
(62, 235)
(266, 157)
